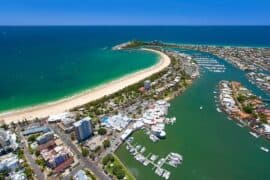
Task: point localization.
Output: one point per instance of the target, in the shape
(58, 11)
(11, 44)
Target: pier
(172, 159)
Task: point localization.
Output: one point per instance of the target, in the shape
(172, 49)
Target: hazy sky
(134, 12)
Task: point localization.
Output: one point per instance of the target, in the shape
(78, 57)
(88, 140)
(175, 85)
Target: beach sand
(98, 92)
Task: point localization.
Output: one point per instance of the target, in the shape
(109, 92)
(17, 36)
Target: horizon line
(1, 25)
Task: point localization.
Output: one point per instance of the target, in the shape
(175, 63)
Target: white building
(9, 162)
(60, 117)
(8, 139)
(126, 134)
(118, 122)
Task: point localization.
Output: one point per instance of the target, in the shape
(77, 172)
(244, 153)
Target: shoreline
(65, 104)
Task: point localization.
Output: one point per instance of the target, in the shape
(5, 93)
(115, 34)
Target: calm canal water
(213, 147)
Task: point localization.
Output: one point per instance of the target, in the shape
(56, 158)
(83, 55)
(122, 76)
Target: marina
(210, 64)
(240, 125)
(261, 80)
(152, 121)
(157, 162)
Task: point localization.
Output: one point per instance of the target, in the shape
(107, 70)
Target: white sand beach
(66, 104)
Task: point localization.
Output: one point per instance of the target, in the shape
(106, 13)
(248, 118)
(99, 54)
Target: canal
(213, 147)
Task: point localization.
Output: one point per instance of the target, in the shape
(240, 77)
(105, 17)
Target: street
(84, 162)
(38, 173)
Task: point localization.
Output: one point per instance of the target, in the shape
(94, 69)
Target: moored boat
(254, 134)
(264, 149)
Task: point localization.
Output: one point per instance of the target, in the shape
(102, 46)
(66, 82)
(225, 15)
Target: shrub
(102, 131)
(106, 143)
(37, 152)
(85, 152)
(33, 137)
(118, 172)
(108, 158)
(241, 98)
(248, 109)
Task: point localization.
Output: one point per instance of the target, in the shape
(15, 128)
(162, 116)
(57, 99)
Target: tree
(90, 174)
(20, 154)
(72, 136)
(92, 156)
(241, 98)
(106, 143)
(85, 152)
(31, 150)
(248, 109)
(118, 171)
(102, 131)
(108, 158)
(13, 125)
(4, 126)
(263, 118)
(28, 172)
(4, 173)
(37, 152)
(2, 176)
(33, 137)
(41, 162)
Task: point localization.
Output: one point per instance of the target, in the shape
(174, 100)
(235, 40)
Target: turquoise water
(41, 64)
(51, 68)
(213, 147)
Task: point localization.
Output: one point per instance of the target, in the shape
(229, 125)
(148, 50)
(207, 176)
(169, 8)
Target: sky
(134, 12)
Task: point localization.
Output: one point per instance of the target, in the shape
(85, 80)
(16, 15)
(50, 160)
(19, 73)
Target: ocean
(47, 63)
(41, 64)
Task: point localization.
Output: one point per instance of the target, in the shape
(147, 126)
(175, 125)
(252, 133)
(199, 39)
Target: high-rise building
(83, 129)
(147, 84)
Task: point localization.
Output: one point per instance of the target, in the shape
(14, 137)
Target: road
(83, 161)
(116, 141)
(73, 172)
(38, 173)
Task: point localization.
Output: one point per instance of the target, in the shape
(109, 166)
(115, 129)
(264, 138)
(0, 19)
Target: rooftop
(78, 123)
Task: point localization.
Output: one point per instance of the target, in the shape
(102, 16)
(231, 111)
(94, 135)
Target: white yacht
(254, 134)
(264, 149)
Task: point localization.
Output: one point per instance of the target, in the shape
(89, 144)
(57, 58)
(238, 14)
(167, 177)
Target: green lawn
(120, 166)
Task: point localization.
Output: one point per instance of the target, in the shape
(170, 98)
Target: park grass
(129, 175)
(117, 162)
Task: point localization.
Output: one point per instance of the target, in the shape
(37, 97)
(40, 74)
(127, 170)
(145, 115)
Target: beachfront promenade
(60, 106)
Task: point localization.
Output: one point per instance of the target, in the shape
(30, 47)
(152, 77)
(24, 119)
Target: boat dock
(172, 159)
(210, 64)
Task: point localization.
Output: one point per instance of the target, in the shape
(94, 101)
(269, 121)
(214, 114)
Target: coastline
(87, 96)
